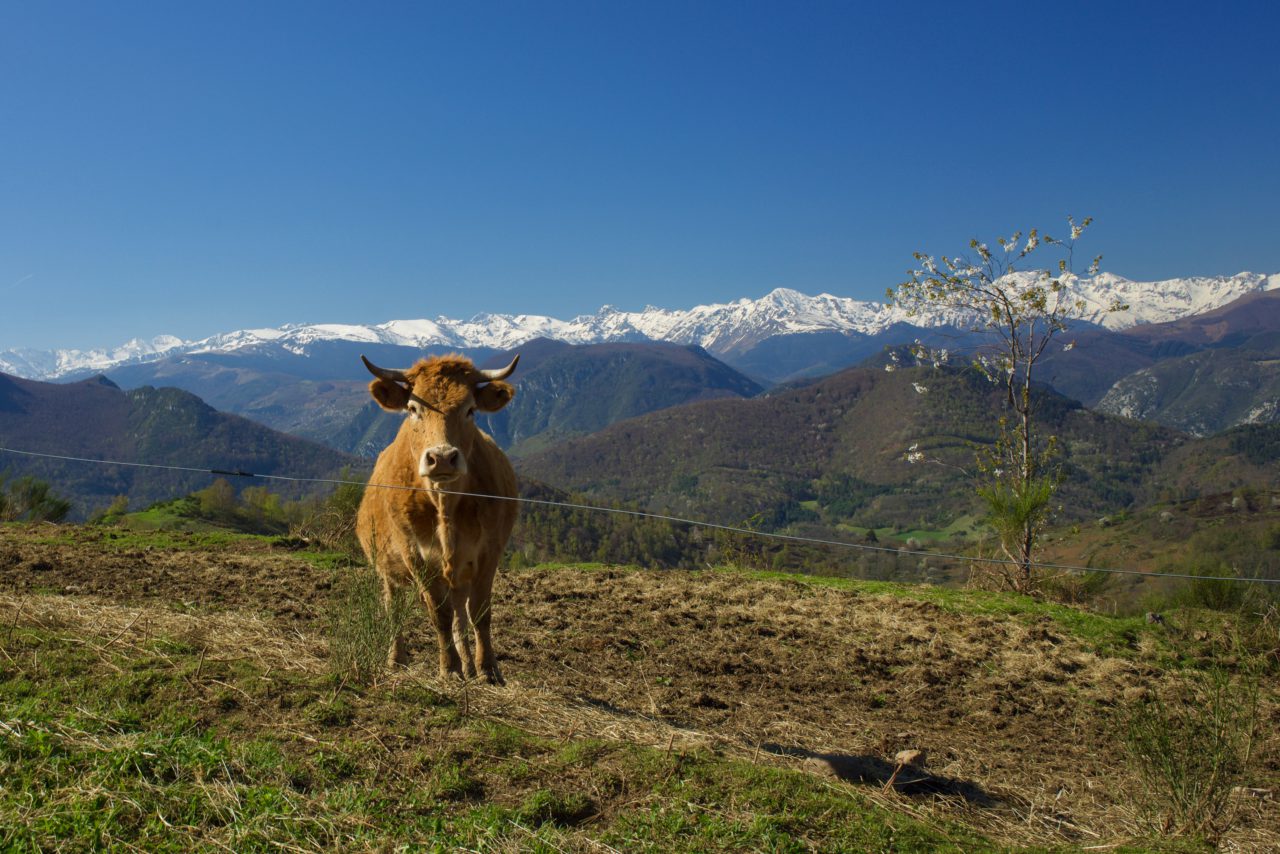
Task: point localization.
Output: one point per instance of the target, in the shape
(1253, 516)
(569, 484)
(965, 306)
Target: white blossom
(920, 389)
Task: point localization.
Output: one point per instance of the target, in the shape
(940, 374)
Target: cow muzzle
(442, 464)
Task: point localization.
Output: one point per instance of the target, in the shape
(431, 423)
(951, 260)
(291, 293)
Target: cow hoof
(493, 676)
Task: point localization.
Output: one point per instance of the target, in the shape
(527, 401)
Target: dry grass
(1019, 714)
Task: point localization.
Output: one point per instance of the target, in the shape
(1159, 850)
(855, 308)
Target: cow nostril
(432, 461)
(453, 459)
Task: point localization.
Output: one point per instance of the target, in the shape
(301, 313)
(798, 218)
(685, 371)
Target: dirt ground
(1017, 716)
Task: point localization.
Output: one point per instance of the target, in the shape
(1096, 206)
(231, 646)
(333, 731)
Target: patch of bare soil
(246, 574)
(1017, 719)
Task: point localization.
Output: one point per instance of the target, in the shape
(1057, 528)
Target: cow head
(441, 396)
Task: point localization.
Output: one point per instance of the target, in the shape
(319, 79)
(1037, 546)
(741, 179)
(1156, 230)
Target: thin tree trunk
(1028, 473)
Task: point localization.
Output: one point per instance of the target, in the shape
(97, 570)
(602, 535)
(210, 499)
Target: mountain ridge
(830, 457)
(95, 419)
(723, 329)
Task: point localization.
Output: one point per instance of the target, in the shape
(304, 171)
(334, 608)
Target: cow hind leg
(440, 605)
(461, 596)
(397, 655)
(480, 606)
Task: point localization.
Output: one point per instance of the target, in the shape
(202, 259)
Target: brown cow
(424, 532)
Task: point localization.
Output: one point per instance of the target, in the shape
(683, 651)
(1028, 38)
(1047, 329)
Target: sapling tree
(31, 500)
(1021, 304)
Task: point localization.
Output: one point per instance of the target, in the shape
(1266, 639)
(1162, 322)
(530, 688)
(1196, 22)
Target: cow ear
(390, 396)
(494, 396)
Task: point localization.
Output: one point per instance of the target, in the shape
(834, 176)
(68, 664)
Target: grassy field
(177, 691)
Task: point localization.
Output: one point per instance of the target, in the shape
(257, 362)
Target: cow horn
(500, 373)
(384, 373)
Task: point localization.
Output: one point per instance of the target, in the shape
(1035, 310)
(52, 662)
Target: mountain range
(730, 331)
(562, 389)
(1200, 355)
(826, 457)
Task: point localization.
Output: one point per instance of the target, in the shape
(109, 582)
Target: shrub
(331, 521)
(29, 500)
(1216, 587)
(1191, 747)
(112, 512)
(361, 629)
(1077, 588)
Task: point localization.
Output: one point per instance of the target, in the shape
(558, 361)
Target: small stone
(1136, 693)
(1247, 792)
(913, 758)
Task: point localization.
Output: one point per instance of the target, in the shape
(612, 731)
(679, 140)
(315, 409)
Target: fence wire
(679, 520)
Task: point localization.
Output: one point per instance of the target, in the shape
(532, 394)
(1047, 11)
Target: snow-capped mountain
(51, 364)
(723, 329)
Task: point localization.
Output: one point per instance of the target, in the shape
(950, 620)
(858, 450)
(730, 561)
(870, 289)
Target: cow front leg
(480, 606)
(462, 628)
(438, 601)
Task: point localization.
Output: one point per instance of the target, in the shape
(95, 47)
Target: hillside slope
(1101, 358)
(1203, 393)
(97, 420)
(830, 455)
(839, 441)
(685, 711)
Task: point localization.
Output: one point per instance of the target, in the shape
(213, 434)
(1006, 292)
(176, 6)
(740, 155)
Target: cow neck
(446, 505)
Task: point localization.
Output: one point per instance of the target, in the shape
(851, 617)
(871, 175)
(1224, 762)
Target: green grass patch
(1106, 634)
(164, 517)
(158, 748)
(963, 526)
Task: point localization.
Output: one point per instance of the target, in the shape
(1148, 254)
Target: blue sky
(194, 168)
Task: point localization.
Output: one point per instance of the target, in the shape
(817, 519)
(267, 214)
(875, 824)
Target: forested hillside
(95, 419)
(832, 455)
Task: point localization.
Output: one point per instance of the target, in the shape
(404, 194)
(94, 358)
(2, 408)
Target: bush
(331, 522)
(1077, 588)
(1191, 747)
(29, 500)
(110, 514)
(1215, 588)
(361, 630)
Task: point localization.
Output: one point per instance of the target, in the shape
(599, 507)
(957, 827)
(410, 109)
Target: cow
(423, 520)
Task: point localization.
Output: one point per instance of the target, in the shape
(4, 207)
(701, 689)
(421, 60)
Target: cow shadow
(873, 770)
